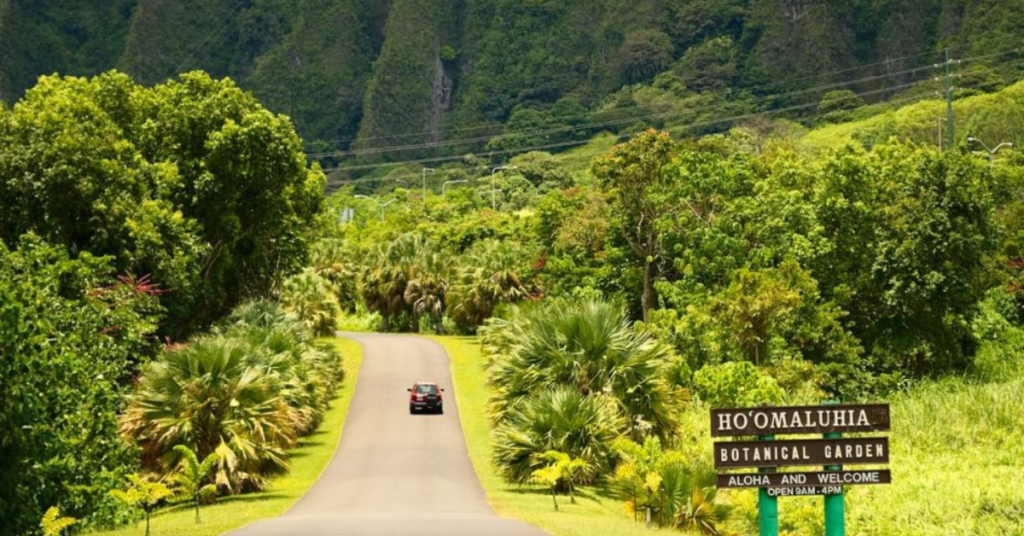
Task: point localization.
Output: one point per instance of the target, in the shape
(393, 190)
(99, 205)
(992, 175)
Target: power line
(602, 124)
(623, 136)
(216, 32)
(684, 127)
(752, 88)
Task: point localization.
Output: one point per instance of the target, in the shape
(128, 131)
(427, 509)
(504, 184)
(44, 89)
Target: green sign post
(835, 505)
(767, 505)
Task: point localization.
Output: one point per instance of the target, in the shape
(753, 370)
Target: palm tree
(210, 394)
(490, 274)
(560, 419)
(588, 346)
(428, 287)
(672, 491)
(332, 260)
(192, 473)
(311, 298)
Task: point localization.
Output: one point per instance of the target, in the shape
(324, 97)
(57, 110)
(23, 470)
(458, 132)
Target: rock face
(358, 74)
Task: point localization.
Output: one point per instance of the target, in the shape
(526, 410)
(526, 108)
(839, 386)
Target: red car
(425, 396)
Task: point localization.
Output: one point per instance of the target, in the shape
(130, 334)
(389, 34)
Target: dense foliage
(192, 183)
(70, 336)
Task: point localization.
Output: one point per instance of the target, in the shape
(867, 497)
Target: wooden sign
(800, 420)
(816, 478)
(858, 451)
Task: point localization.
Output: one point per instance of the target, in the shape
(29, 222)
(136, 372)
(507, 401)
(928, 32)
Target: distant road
(396, 474)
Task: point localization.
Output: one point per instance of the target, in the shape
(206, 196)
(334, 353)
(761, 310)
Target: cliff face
(362, 73)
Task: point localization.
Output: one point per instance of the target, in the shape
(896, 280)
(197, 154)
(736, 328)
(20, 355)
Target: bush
(71, 336)
(245, 393)
(590, 347)
(735, 384)
(558, 419)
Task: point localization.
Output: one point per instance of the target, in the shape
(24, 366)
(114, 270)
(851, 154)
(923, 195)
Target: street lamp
(494, 192)
(379, 204)
(425, 170)
(991, 152)
(444, 185)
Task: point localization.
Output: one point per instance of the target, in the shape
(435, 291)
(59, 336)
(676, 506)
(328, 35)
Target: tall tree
(635, 174)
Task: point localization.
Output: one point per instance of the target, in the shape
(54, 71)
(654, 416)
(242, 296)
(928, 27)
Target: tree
(142, 494)
(191, 182)
(644, 53)
(672, 492)
(547, 476)
(491, 273)
(634, 173)
(192, 473)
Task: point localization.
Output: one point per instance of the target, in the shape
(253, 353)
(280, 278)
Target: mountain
(428, 77)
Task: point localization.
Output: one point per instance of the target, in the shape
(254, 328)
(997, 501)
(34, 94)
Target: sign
(805, 491)
(791, 480)
(800, 420)
(859, 451)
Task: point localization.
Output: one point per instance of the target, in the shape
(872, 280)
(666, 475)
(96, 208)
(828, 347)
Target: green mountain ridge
(362, 75)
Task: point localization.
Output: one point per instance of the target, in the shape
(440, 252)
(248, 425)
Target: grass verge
(592, 515)
(309, 460)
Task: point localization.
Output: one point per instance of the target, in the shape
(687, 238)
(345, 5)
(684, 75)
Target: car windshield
(426, 389)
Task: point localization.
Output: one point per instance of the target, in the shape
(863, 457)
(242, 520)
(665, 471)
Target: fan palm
(332, 260)
(590, 347)
(561, 419)
(311, 298)
(428, 287)
(490, 274)
(210, 394)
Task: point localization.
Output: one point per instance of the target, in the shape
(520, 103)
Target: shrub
(560, 419)
(590, 347)
(211, 395)
(735, 384)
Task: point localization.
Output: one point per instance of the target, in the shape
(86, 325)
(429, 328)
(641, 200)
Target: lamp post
(991, 152)
(494, 192)
(444, 185)
(379, 204)
(425, 170)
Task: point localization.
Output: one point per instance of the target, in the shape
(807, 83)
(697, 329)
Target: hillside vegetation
(369, 75)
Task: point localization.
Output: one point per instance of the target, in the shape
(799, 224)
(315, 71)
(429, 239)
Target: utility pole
(949, 87)
(494, 192)
(379, 204)
(425, 170)
(991, 150)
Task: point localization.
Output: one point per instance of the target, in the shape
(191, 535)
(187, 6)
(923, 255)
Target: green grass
(309, 460)
(593, 515)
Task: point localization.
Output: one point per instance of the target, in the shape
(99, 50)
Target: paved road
(396, 474)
